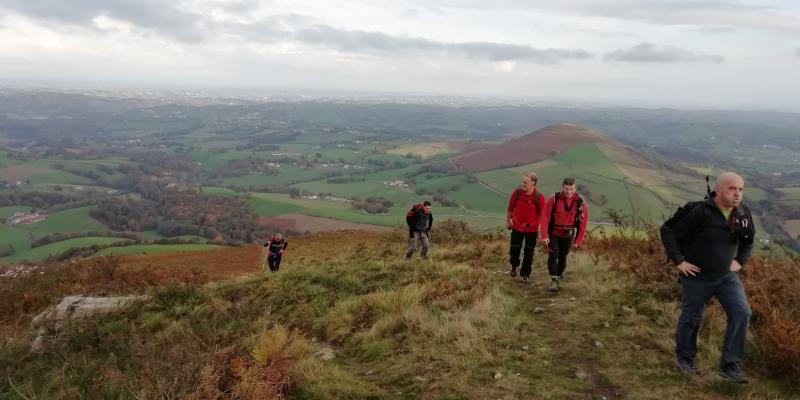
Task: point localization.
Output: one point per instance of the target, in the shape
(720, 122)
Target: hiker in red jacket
(524, 213)
(563, 225)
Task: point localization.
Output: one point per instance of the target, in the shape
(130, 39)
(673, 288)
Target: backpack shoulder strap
(517, 193)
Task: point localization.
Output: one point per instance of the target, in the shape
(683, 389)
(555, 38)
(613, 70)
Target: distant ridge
(534, 147)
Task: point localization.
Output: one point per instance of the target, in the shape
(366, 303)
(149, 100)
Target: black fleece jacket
(420, 222)
(712, 245)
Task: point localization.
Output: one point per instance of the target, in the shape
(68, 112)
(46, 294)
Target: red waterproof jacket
(564, 222)
(526, 210)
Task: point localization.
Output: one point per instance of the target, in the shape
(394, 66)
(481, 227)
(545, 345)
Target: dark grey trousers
(422, 238)
(694, 295)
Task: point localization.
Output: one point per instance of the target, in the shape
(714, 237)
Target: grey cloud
(153, 15)
(376, 42)
(649, 52)
(661, 12)
(797, 52)
(411, 12)
(713, 30)
(241, 6)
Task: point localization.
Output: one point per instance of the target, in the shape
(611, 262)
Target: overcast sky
(674, 53)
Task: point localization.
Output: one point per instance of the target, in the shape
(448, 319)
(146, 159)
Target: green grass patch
(789, 194)
(8, 211)
(67, 221)
(72, 220)
(287, 175)
(219, 192)
(42, 252)
(267, 208)
(156, 249)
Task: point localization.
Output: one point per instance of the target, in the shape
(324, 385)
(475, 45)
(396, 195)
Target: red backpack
(415, 209)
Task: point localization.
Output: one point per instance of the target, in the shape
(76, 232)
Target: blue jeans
(694, 295)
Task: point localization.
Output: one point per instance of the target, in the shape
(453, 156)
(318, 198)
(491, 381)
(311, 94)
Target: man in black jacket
(420, 222)
(708, 246)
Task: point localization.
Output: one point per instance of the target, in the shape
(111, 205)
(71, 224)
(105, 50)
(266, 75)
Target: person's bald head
(730, 190)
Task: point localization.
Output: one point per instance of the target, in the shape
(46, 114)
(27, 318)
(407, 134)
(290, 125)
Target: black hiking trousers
(274, 261)
(517, 239)
(557, 258)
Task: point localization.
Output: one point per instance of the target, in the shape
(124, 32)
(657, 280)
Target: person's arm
(285, 244)
(510, 210)
(670, 236)
(582, 229)
(546, 213)
(430, 222)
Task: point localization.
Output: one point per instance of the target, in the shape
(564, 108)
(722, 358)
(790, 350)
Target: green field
(154, 235)
(288, 174)
(789, 194)
(334, 209)
(8, 211)
(67, 221)
(4, 160)
(72, 220)
(754, 194)
(210, 160)
(42, 252)
(267, 208)
(43, 171)
(480, 199)
(219, 192)
(155, 249)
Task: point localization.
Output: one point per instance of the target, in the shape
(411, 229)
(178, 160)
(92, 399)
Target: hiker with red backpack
(420, 222)
(524, 213)
(563, 227)
(709, 242)
(275, 246)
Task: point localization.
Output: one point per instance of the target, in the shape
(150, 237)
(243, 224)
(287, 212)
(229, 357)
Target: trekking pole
(708, 187)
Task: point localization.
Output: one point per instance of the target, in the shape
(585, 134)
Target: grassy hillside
(454, 327)
(155, 249)
(592, 169)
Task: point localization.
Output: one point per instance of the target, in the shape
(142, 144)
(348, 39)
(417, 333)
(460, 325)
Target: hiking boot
(732, 373)
(687, 367)
(553, 287)
(512, 272)
(525, 279)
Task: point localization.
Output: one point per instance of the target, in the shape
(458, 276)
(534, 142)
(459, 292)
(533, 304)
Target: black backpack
(518, 193)
(578, 213)
(743, 226)
(412, 214)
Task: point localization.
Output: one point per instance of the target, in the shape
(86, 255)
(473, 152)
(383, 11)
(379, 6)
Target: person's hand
(735, 266)
(508, 224)
(687, 268)
(280, 252)
(546, 241)
(577, 245)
